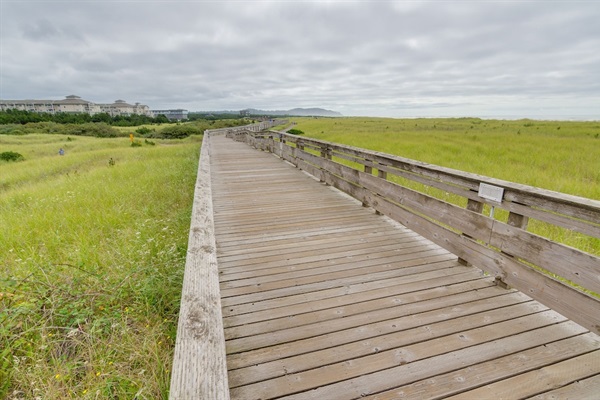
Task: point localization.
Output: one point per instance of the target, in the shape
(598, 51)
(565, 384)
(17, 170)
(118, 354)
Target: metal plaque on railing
(491, 192)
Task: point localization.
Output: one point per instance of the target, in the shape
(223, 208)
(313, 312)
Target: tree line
(22, 117)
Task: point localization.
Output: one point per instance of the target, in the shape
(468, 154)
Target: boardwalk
(324, 299)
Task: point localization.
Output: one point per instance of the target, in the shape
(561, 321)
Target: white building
(75, 104)
(173, 115)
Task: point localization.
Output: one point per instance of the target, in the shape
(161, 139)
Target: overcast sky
(537, 59)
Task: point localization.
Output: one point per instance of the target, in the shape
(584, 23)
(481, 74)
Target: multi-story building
(172, 115)
(75, 104)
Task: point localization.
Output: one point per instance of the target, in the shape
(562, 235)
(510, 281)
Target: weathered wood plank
(283, 317)
(270, 340)
(572, 264)
(410, 367)
(464, 379)
(584, 389)
(199, 364)
(436, 307)
(377, 344)
(276, 290)
(319, 294)
(540, 380)
(303, 257)
(340, 376)
(290, 284)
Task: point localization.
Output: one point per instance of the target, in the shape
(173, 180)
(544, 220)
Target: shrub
(97, 129)
(295, 131)
(11, 156)
(179, 131)
(144, 130)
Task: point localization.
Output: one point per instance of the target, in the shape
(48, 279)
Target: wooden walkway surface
(324, 299)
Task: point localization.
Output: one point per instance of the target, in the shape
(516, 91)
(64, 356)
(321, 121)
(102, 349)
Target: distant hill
(297, 112)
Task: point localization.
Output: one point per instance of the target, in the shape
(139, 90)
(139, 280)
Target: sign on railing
(491, 192)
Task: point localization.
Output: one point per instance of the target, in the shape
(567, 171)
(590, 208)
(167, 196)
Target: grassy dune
(92, 258)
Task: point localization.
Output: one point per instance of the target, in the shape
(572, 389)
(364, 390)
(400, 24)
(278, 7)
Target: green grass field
(92, 259)
(560, 156)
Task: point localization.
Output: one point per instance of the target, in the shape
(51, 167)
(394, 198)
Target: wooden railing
(199, 366)
(563, 278)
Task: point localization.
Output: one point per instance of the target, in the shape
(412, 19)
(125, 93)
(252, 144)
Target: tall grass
(556, 155)
(92, 256)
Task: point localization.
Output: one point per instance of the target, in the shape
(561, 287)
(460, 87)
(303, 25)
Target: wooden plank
(249, 295)
(320, 382)
(377, 344)
(291, 283)
(582, 389)
(294, 236)
(363, 234)
(540, 380)
(408, 370)
(335, 268)
(405, 316)
(199, 365)
(324, 309)
(464, 379)
(301, 257)
(435, 308)
(569, 263)
(340, 290)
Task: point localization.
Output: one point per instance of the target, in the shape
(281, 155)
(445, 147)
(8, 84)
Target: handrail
(531, 263)
(199, 364)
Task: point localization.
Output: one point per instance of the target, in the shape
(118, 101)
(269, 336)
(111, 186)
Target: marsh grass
(92, 258)
(556, 155)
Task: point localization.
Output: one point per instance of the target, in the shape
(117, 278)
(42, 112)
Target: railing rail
(564, 278)
(199, 363)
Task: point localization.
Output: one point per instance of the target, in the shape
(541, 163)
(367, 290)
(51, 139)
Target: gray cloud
(361, 58)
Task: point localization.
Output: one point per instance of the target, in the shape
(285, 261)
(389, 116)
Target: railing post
(475, 206)
(517, 220)
(299, 146)
(280, 145)
(368, 170)
(325, 154)
(383, 175)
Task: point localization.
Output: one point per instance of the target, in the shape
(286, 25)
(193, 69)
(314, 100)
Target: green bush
(11, 156)
(144, 130)
(97, 129)
(178, 131)
(295, 131)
